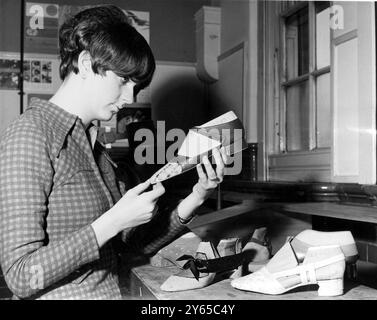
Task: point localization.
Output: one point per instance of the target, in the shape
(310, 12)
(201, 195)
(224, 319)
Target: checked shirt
(53, 185)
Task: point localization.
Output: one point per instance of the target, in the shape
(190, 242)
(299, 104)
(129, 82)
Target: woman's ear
(84, 64)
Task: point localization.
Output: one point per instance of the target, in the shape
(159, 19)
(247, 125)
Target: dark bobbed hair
(113, 44)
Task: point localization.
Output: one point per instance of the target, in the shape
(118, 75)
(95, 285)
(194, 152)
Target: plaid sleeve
(148, 238)
(28, 260)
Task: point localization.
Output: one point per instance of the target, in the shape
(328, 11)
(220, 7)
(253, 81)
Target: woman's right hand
(136, 207)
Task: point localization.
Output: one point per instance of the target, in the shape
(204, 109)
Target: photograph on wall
(35, 71)
(38, 75)
(130, 115)
(27, 70)
(9, 71)
(140, 21)
(46, 70)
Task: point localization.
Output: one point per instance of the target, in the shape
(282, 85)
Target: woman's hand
(136, 207)
(210, 178)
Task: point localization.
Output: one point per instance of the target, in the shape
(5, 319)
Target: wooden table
(147, 279)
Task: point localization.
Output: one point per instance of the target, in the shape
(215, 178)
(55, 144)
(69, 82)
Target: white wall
(236, 88)
(177, 95)
(354, 95)
(9, 107)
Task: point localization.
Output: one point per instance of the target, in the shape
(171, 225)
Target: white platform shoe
(322, 265)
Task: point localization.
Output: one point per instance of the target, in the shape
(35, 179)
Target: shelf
(334, 210)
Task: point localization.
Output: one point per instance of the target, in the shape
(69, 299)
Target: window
(305, 108)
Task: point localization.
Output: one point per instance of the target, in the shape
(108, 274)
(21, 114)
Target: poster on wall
(41, 72)
(42, 22)
(38, 75)
(138, 19)
(41, 28)
(138, 113)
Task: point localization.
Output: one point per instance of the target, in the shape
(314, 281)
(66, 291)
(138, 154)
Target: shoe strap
(212, 265)
(304, 269)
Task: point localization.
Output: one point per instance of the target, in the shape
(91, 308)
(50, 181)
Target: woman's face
(109, 93)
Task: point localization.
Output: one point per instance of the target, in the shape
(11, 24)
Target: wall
(353, 102)
(172, 24)
(236, 88)
(172, 39)
(234, 23)
(178, 96)
(241, 64)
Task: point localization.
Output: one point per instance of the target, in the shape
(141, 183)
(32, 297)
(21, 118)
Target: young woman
(61, 206)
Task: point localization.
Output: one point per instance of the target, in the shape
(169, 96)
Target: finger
(155, 210)
(218, 159)
(140, 187)
(211, 174)
(219, 164)
(201, 174)
(224, 155)
(158, 191)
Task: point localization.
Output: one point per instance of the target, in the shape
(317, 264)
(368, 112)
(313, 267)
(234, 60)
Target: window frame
(311, 76)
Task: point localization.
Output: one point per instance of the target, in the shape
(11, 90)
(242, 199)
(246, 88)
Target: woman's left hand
(210, 178)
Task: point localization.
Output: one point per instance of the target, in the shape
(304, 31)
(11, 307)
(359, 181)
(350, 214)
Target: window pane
(297, 44)
(323, 111)
(322, 35)
(298, 117)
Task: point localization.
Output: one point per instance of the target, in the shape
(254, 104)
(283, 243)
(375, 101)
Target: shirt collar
(61, 121)
(93, 133)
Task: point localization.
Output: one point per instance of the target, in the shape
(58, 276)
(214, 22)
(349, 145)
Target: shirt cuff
(179, 220)
(185, 221)
(88, 245)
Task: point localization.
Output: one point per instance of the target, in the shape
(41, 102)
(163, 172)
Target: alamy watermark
(36, 11)
(336, 17)
(162, 146)
(37, 17)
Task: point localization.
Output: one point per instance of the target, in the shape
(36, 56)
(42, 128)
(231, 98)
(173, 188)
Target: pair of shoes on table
(228, 257)
(312, 257)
